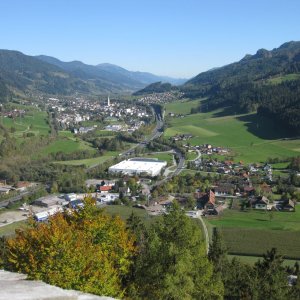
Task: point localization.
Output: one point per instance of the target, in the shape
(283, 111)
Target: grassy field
(250, 137)
(67, 145)
(191, 155)
(33, 121)
(124, 212)
(88, 162)
(182, 107)
(255, 232)
(280, 79)
(168, 157)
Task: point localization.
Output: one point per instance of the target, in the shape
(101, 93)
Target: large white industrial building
(136, 166)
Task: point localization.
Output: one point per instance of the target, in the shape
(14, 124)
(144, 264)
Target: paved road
(179, 168)
(156, 133)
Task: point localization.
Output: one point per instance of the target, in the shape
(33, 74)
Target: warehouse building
(139, 166)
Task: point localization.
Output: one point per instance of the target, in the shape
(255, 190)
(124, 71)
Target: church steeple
(108, 101)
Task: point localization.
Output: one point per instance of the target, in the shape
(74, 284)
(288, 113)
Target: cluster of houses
(173, 115)
(209, 149)
(263, 203)
(160, 98)
(181, 137)
(70, 112)
(13, 113)
(212, 203)
(230, 167)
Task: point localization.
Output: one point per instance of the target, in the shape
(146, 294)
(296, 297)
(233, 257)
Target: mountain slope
(89, 72)
(26, 73)
(156, 87)
(263, 65)
(268, 81)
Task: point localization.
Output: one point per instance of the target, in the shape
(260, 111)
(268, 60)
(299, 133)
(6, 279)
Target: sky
(178, 38)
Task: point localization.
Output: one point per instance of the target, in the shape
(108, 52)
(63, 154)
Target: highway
(156, 133)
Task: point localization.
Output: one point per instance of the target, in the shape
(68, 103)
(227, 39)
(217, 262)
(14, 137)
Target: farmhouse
(260, 203)
(135, 166)
(104, 188)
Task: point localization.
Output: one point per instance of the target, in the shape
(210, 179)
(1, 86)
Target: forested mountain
(156, 87)
(96, 74)
(21, 73)
(268, 82)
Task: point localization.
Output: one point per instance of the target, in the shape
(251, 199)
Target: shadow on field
(264, 127)
(227, 111)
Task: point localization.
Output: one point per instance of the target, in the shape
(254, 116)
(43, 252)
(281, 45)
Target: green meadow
(89, 162)
(125, 211)
(250, 137)
(191, 155)
(181, 107)
(168, 157)
(254, 232)
(280, 79)
(67, 145)
(33, 121)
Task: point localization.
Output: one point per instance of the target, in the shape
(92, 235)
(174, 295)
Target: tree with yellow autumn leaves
(82, 249)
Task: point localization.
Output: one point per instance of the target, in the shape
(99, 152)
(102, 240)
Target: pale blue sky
(165, 37)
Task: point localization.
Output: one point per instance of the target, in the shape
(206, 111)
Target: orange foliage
(85, 250)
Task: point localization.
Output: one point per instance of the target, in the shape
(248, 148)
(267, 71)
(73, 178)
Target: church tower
(108, 101)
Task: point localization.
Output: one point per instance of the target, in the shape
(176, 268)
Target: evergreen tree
(271, 277)
(173, 263)
(217, 252)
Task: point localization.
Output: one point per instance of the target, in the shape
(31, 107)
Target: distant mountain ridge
(20, 73)
(111, 72)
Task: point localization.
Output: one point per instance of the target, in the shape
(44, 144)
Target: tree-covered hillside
(157, 87)
(23, 73)
(268, 81)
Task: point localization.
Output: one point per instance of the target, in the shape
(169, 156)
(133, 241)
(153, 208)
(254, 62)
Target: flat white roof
(149, 166)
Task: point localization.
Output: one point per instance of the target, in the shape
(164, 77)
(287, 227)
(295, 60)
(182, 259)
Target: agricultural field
(250, 137)
(183, 107)
(253, 232)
